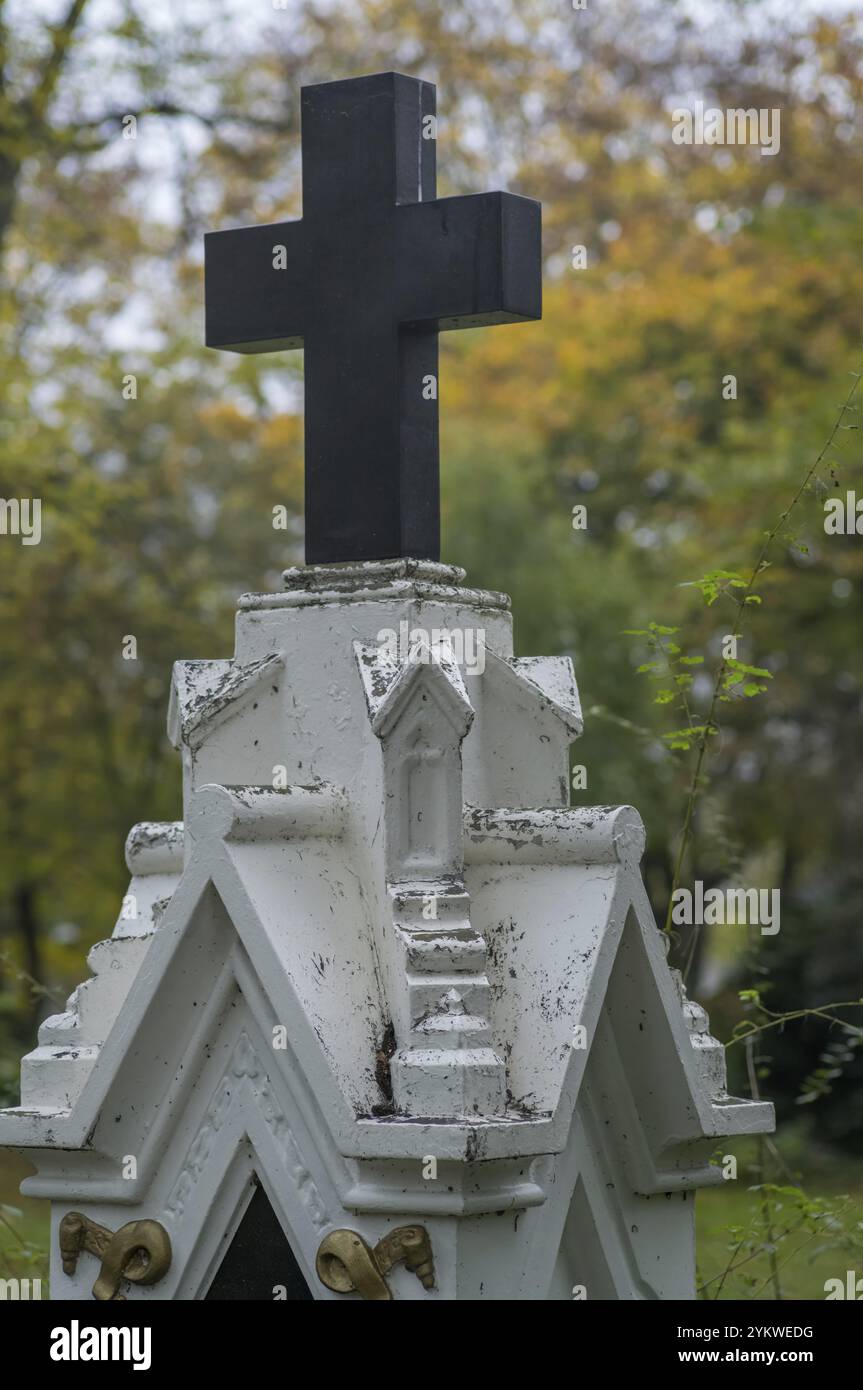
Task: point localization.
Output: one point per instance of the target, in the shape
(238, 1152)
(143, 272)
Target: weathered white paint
(422, 868)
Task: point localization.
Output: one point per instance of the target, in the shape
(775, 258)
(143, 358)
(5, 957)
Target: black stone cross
(364, 282)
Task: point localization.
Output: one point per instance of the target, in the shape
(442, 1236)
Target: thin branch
(794, 1253)
(753, 1255)
(64, 34)
(778, 1019)
(603, 712)
(170, 108)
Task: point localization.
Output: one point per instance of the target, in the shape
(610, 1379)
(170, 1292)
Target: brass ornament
(140, 1252)
(347, 1264)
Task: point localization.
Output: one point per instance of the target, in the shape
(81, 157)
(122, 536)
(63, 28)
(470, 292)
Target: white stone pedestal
(383, 966)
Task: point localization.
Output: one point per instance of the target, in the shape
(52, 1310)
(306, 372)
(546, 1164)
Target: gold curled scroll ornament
(140, 1252)
(347, 1264)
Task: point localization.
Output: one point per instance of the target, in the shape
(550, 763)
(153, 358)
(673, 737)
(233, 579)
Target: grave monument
(390, 1019)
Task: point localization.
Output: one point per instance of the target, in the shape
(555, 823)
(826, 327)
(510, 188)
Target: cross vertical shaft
(364, 283)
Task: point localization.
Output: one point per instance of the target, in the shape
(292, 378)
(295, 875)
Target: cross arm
(256, 283)
(468, 261)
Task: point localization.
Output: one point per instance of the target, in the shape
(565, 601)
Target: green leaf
(684, 738)
(749, 996)
(733, 664)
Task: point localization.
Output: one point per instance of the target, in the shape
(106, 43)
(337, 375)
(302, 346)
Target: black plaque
(259, 1260)
(377, 266)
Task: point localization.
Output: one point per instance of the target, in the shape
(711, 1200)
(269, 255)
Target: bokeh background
(702, 261)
